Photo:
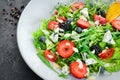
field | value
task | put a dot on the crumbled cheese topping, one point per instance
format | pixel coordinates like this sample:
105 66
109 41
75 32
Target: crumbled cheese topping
75 35
93 51
108 38
50 56
65 70
45 32
54 37
97 23
67 35
83 17
80 63
84 11
68 44
75 49
90 61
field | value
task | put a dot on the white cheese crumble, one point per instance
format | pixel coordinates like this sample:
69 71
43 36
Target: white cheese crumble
54 37
65 70
50 56
75 49
67 35
90 61
97 23
49 43
93 51
80 63
56 30
84 11
108 38
45 32
75 35
85 30
68 44
83 17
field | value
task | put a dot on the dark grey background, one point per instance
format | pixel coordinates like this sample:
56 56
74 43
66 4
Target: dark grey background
12 66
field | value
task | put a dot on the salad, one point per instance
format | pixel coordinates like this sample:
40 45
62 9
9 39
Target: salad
78 39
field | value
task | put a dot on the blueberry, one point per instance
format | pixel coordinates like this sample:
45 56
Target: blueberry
70 19
101 12
97 49
66 25
42 39
78 29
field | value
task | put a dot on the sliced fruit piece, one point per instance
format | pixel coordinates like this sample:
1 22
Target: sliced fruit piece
101 19
53 24
113 11
78 70
77 5
116 24
50 56
106 54
61 19
83 24
65 48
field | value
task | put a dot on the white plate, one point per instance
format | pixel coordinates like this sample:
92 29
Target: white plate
28 23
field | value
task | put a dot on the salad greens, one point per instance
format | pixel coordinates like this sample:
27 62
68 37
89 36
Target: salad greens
87 38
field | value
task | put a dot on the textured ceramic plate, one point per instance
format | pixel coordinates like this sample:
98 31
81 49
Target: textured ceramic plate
28 23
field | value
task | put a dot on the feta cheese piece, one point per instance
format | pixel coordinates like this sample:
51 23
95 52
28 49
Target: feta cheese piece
56 30
83 17
65 70
75 35
93 51
75 49
49 44
68 44
80 63
90 61
85 30
67 35
54 37
61 30
45 32
97 23
84 11
50 56
108 38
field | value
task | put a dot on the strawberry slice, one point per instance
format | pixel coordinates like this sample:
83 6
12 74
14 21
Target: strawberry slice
53 24
101 19
65 48
83 24
116 24
77 5
78 70
50 56
61 19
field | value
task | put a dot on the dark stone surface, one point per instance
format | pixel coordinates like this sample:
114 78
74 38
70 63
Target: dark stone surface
12 66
